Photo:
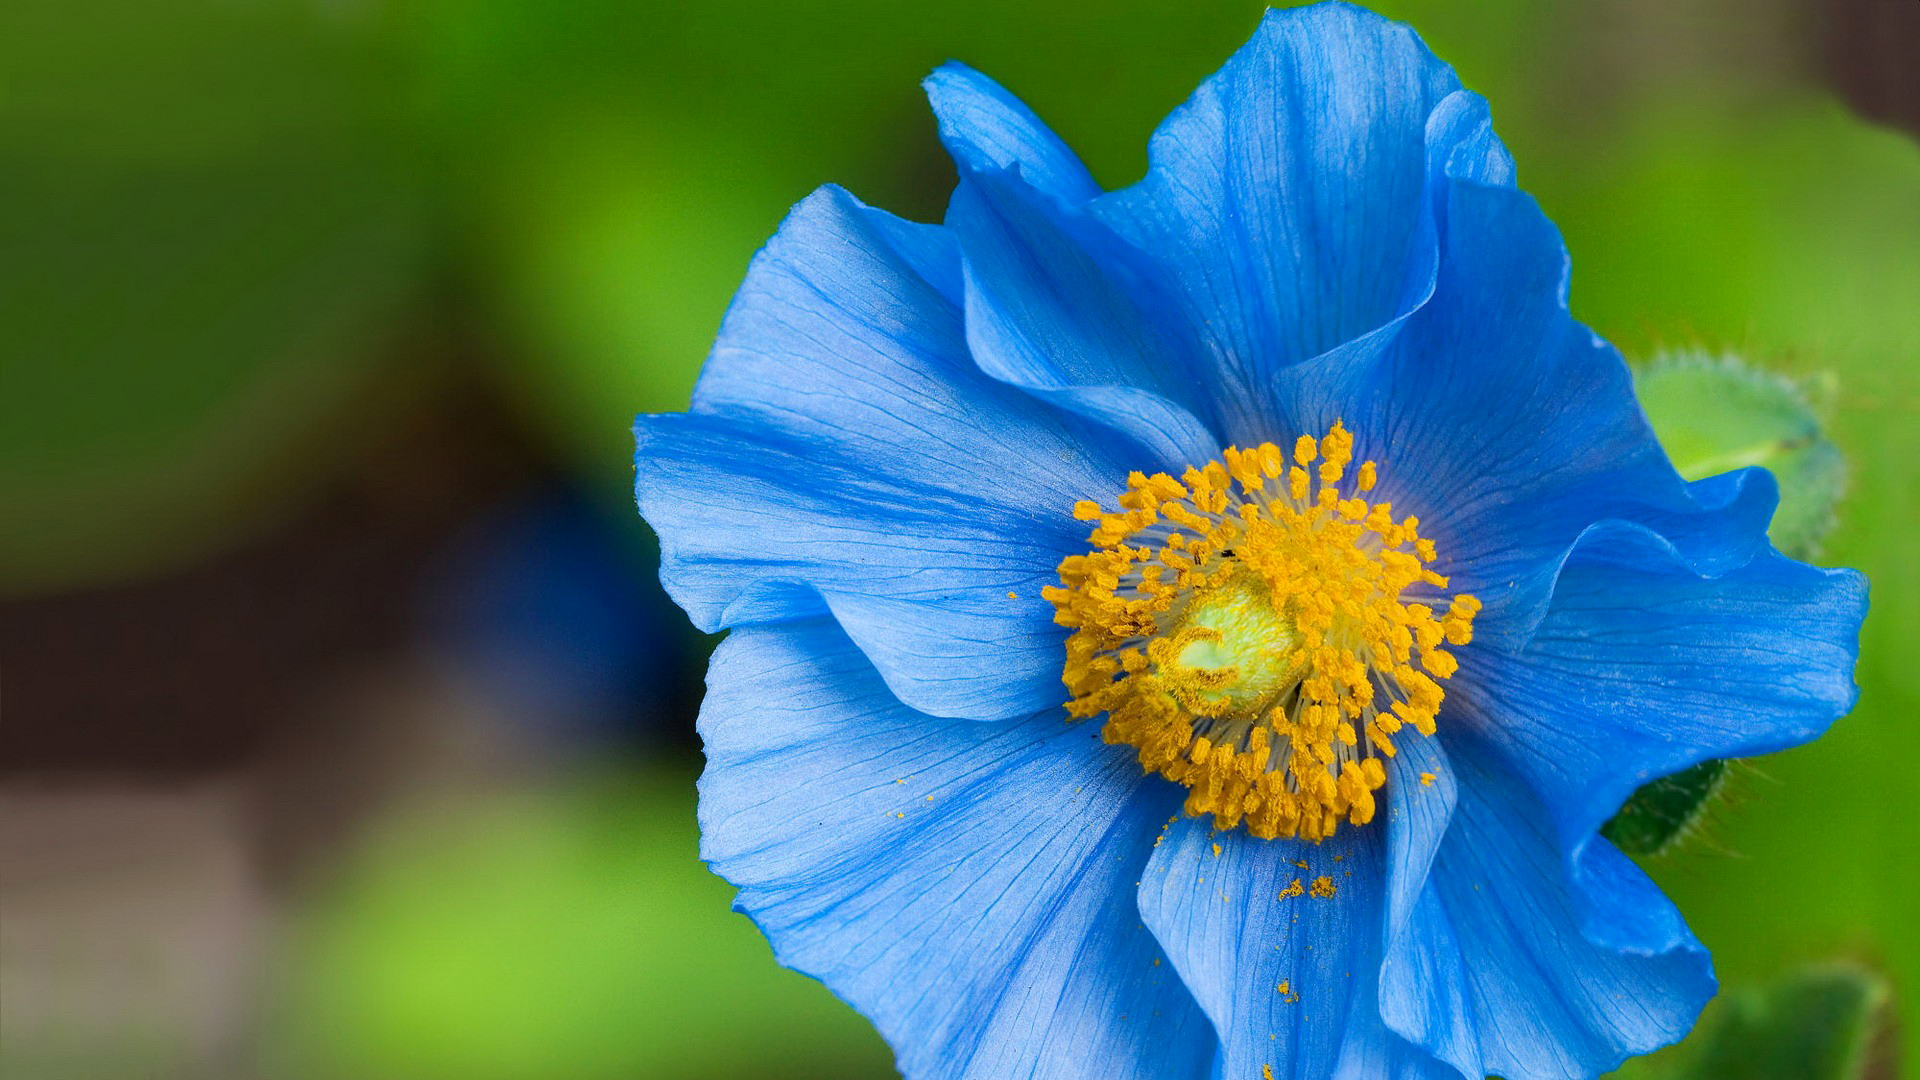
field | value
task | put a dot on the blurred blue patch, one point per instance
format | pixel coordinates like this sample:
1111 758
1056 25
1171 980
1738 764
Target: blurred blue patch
548 611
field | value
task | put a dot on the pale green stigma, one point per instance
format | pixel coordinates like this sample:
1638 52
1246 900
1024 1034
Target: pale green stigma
1243 649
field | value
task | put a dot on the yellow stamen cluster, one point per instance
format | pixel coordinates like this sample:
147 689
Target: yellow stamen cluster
1244 628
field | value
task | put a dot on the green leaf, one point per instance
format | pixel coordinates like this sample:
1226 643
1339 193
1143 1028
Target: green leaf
1716 414
1822 1023
1665 811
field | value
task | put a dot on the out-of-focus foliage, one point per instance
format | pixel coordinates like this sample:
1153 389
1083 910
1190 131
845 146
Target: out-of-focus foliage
568 933
1821 1024
211 222
1829 1022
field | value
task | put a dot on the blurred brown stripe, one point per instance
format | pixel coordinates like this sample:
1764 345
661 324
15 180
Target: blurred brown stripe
1871 53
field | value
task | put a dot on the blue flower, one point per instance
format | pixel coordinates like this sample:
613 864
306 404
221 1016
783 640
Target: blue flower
1370 590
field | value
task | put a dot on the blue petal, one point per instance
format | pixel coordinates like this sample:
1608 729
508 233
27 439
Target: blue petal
1288 201
842 439
1420 796
1461 145
1237 942
943 589
1531 991
1412 998
981 122
1422 997
969 887
1057 305
1508 428
1236 938
1374 1051
1646 663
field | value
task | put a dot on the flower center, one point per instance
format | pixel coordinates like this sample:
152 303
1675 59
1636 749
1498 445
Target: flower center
1244 628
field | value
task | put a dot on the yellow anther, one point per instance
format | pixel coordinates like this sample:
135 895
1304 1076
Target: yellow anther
1246 634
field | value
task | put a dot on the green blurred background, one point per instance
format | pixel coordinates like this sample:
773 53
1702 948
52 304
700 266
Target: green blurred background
346 732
